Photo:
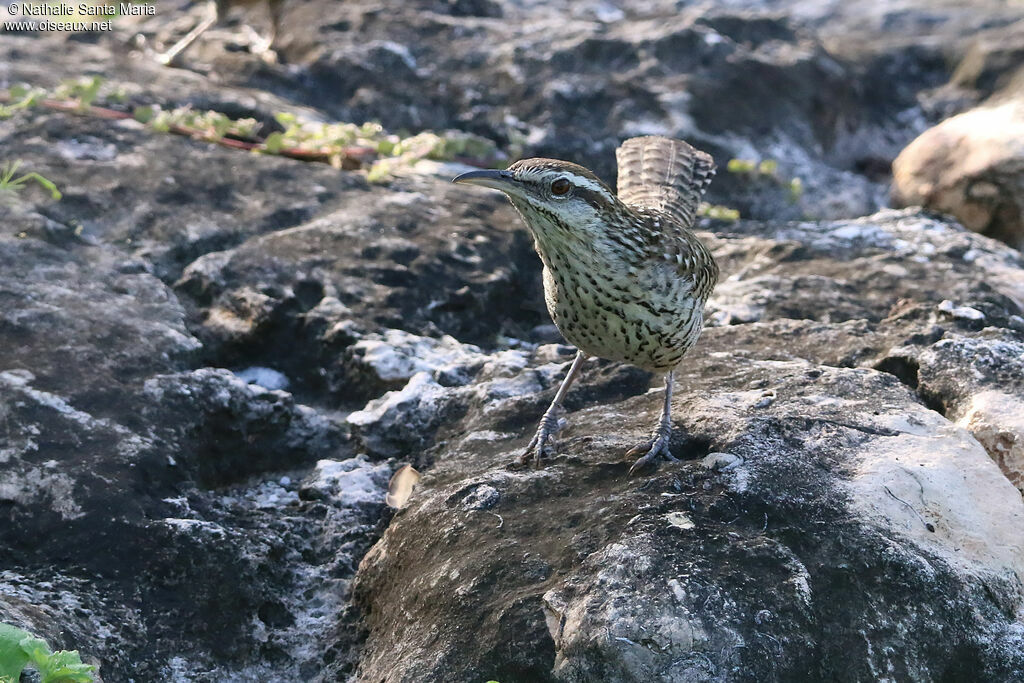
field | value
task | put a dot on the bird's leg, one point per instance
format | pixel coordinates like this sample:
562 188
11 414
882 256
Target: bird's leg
548 427
657 446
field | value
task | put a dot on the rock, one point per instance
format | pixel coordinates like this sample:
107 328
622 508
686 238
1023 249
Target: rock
830 93
117 322
994 418
994 58
392 359
355 480
401 422
970 166
174 500
159 483
418 261
211 362
586 574
828 479
241 429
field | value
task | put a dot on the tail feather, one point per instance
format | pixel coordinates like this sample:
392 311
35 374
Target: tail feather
665 175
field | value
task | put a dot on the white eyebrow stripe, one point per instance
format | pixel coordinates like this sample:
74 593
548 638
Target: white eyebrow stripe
582 182
589 185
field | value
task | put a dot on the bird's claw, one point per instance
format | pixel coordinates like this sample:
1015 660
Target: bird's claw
542 444
654 448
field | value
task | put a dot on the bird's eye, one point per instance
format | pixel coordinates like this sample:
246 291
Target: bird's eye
561 187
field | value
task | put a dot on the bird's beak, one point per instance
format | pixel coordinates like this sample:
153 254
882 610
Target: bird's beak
498 180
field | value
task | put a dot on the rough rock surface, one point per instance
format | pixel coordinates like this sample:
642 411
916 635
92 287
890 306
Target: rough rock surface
821 462
830 92
210 362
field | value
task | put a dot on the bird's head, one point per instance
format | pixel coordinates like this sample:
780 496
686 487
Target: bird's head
558 200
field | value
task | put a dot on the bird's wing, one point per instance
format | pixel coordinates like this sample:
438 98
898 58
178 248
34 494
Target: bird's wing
664 175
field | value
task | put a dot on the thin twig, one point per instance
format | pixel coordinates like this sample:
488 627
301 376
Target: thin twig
927 525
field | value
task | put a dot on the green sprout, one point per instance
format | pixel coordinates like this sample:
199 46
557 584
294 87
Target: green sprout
350 146
740 166
338 142
768 169
718 212
204 124
20 649
21 97
10 184
85 91
796 189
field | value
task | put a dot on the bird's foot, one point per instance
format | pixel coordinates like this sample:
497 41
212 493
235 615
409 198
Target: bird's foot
542 445
652 449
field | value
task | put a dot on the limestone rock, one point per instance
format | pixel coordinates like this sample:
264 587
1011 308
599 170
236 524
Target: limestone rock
211 362
776 567
832 459
970 166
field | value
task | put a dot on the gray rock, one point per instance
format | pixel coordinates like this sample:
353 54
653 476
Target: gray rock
832 93
411 257
804 488
849 425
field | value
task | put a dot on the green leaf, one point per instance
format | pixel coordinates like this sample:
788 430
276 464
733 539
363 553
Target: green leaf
740 166
19 91
12 657
721 213
18 648
796 189
378 172
221 125
45 182
285 119
90 91
274 143
161 122
144 114
65 666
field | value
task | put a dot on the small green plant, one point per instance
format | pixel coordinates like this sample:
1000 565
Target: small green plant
740 166
768 169
10 184
204 124
84 91
20 97
345 142
20 649
718 212
344 145
796 189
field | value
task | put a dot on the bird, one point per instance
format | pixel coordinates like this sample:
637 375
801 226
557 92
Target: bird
625 277
218 13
